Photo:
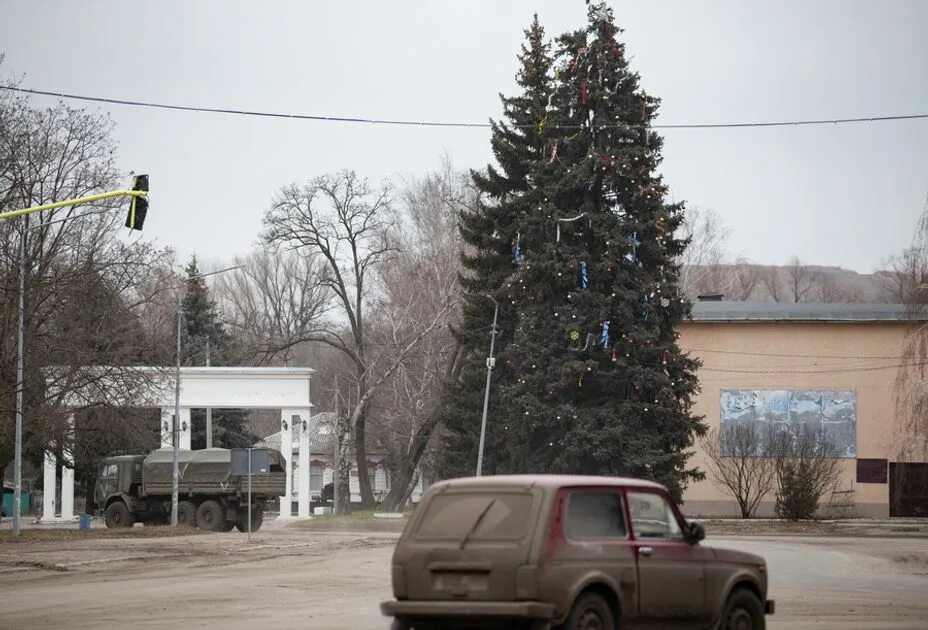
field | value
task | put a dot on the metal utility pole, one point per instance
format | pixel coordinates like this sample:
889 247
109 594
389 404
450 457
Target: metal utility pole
175 472
209 410
175 434
18 449
491 362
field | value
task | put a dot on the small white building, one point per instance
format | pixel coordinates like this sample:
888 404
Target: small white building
321 463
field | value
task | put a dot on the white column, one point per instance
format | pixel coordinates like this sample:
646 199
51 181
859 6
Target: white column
184 429
167 417
67 476
48 486
303 459
286 449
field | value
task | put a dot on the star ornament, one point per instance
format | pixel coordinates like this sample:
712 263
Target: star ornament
601 12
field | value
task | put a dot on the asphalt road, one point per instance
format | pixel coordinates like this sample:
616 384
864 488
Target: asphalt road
292 578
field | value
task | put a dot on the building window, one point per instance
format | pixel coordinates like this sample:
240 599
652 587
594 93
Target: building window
315 478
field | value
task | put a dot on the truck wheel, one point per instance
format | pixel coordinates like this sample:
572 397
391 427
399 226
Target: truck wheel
211 515
257 517
118 515
743 611
590 612
186 514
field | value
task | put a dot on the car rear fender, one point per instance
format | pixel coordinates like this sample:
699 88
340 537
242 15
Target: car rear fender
594 580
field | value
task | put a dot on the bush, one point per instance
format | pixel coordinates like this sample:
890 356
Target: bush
806 467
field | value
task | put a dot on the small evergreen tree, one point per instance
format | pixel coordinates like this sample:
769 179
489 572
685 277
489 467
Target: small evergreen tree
489 233
203 330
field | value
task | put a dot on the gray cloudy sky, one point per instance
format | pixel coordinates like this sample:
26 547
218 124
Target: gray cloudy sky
844 195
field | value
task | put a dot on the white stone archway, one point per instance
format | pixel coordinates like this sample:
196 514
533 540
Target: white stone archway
286 389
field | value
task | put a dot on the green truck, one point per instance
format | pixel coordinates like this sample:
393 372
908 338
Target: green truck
137 489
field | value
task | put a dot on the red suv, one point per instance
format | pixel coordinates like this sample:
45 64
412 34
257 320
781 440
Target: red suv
541 551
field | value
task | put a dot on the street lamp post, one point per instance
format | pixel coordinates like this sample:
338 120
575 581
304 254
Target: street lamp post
175 433
491 362
18 449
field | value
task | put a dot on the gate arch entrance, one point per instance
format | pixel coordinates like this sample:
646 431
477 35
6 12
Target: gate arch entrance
286 389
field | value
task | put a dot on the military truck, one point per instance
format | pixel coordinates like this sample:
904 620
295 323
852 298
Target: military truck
137 488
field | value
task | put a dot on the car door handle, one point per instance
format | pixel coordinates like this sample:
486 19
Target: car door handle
645 551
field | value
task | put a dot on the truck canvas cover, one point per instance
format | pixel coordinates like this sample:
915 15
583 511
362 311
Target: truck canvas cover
206 469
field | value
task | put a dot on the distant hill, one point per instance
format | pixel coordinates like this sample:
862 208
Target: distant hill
786 283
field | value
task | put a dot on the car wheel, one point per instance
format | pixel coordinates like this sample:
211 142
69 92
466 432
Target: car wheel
591 612
743 611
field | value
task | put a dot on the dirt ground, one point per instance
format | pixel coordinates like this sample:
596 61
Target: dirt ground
306 577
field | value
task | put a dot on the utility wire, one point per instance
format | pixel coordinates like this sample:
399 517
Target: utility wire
824 370
433 123
792 356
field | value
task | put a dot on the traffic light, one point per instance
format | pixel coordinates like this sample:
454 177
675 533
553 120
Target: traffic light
138 206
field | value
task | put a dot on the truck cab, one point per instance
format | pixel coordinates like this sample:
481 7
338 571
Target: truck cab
118 476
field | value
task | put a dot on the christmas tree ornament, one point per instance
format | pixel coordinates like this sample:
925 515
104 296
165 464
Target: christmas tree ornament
518 252
583 275
665 302
632 256
604 336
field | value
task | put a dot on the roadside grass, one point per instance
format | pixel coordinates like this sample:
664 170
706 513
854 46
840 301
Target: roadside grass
58 535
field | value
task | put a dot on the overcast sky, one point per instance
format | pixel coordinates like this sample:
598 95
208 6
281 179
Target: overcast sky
845 195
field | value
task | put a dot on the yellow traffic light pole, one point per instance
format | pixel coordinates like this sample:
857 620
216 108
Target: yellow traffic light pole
74 202
141 182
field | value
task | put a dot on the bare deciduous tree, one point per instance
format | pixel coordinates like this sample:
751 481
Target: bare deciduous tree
770 278
83 288
703 260
908 284
348 225
799 278
276 301
416 283
738 464
745 277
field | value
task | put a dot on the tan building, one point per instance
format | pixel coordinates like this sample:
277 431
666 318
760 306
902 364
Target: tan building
828 365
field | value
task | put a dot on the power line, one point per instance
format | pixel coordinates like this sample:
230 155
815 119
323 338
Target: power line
791 356
434 123
825 370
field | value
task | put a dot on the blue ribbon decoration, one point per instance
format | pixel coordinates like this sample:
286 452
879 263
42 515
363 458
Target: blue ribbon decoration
633 255
604 337
583 275
518 252
647 308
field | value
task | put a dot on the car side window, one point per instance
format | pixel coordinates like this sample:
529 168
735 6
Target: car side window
653 517
595 515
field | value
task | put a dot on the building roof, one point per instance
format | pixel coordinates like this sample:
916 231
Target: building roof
719 311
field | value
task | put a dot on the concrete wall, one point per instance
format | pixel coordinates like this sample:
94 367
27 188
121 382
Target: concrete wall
787 355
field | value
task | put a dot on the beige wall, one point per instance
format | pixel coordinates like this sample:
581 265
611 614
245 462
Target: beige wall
747 355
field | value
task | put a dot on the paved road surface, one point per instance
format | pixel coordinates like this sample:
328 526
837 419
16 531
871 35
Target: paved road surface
291 578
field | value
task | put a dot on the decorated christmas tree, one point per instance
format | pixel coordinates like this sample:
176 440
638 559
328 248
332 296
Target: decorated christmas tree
596 383
489 231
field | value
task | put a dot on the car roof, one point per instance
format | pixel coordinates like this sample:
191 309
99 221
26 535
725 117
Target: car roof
546 481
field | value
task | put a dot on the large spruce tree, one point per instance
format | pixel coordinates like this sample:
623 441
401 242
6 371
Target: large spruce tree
597 383
203 330
490 231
